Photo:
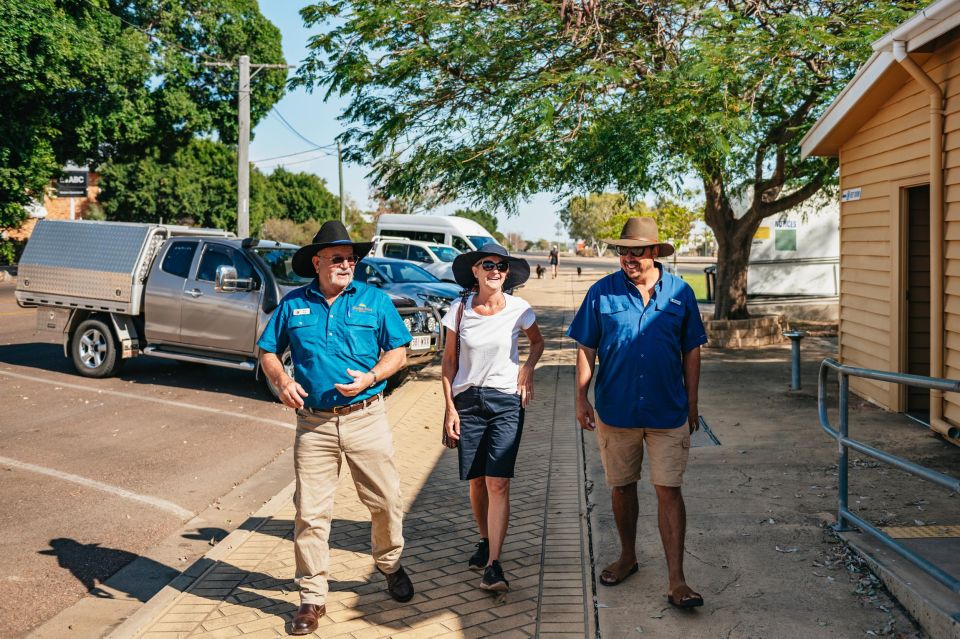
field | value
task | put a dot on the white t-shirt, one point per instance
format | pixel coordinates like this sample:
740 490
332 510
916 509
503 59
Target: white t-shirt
488 344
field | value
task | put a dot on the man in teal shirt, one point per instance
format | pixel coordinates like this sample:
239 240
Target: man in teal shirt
345 339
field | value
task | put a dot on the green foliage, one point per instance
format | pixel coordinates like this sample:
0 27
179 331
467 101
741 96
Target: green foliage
598 216
484 219
302 196
494 102
198 186
78 84
675 222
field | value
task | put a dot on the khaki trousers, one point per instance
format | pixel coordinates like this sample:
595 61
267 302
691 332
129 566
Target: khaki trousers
323 441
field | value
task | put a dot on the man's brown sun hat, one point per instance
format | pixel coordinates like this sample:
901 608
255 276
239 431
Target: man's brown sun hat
641 231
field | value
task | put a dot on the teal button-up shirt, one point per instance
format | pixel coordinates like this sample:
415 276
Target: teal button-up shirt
325 340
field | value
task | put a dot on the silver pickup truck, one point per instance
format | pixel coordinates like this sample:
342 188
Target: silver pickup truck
116 290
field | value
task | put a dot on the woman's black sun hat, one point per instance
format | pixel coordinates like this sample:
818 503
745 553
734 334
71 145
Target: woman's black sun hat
463 267
332 233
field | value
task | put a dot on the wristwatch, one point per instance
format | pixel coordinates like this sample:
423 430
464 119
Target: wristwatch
374 375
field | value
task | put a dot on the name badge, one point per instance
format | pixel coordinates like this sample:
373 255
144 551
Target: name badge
301 311
675 301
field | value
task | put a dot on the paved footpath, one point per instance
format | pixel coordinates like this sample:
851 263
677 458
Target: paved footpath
246 587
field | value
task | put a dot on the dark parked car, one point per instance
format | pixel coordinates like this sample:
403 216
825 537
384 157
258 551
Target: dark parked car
409 280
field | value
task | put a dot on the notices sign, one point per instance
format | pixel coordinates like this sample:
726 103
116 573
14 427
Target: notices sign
72 184
850 195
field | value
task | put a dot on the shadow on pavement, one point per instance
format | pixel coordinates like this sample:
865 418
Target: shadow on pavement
150 371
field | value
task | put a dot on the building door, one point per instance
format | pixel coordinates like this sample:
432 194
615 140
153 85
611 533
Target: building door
917 281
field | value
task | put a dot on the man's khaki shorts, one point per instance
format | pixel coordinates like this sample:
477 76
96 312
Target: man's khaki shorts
621 452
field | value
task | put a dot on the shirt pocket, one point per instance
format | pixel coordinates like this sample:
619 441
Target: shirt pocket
671 315
361 337
615 320
303 333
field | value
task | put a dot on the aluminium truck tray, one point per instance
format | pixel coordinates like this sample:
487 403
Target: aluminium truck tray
88 265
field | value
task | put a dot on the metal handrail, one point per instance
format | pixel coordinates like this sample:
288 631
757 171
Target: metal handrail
844 515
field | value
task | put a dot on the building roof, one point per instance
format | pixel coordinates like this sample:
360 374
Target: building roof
878 79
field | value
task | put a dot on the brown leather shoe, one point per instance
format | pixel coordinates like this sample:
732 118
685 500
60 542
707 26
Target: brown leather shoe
399 585
306 619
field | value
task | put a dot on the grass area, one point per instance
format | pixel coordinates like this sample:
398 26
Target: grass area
697 281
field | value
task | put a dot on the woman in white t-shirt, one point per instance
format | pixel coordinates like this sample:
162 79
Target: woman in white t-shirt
486 390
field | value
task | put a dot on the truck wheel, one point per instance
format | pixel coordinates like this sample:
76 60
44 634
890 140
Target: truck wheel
287 360
93 349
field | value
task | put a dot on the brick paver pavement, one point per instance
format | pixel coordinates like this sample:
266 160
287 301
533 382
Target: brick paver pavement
248 591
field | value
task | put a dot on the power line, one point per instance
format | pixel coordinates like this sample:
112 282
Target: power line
290 155
300 135
278 164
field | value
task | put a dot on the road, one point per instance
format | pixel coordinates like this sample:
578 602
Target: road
146 467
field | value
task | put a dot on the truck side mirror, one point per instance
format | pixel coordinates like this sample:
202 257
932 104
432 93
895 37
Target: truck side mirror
228 282
375 280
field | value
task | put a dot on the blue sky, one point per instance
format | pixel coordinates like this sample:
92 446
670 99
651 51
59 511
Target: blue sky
316 121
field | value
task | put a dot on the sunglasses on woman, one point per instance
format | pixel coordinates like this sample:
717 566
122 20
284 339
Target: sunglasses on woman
635 252
489 265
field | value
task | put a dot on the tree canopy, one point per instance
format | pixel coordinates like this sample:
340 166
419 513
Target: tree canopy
494 102
91 80
198 186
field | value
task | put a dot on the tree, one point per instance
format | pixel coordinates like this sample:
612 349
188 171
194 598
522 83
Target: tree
79 83
494 102
598 216
484 219
675 221
302 196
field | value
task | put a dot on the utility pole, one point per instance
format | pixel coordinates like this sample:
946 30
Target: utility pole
243 148
343 218
243 139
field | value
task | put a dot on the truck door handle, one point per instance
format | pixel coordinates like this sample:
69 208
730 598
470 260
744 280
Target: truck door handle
195 293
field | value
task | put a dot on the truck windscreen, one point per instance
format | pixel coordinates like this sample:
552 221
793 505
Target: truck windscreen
279 260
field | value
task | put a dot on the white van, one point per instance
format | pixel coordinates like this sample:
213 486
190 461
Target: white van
459 232
436 259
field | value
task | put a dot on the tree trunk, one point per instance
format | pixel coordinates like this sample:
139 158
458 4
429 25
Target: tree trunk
733 256
734 239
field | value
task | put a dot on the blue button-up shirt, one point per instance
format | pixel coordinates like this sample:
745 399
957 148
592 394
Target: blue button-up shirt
640 348
326 340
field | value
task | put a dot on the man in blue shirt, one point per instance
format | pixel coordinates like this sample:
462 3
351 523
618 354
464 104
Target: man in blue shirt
336 330
645 326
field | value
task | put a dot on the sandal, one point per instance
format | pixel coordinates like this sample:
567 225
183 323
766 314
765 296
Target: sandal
608 577
686 598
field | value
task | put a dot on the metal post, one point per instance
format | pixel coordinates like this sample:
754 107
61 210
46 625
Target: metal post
243 149
843 454
795 337
343 219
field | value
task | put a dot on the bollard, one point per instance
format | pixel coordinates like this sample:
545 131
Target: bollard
795 337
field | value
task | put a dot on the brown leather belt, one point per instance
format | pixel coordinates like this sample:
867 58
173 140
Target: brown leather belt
347 408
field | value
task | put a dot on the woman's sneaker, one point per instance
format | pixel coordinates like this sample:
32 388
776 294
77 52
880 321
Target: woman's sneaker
480 558
493 578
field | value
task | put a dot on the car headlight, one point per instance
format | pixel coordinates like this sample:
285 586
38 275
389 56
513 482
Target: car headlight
431 324
408 323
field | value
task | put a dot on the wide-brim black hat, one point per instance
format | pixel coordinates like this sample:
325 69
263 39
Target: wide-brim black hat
332 233
518 273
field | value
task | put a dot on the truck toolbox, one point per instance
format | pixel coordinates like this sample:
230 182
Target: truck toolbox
90 265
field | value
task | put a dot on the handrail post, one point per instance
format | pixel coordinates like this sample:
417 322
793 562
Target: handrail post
843 453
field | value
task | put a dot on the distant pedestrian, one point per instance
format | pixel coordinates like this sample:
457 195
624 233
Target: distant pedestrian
644 324
554 260
486 390
336 329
